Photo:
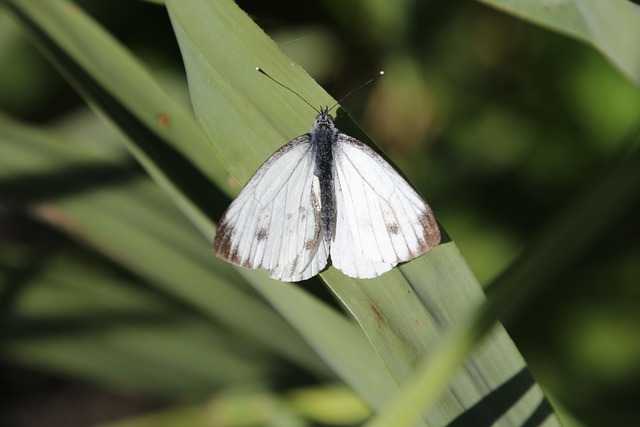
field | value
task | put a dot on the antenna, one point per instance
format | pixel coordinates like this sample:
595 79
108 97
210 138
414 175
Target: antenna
380 74
260 70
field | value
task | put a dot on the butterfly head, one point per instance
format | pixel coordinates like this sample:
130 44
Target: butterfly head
324 119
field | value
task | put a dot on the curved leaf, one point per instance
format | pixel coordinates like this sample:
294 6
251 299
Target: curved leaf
402 312
612 26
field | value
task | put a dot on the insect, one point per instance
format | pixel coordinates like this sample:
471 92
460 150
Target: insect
325 194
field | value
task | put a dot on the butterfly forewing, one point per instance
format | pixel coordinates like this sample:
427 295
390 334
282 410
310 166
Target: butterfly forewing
380 219
274 223
305 263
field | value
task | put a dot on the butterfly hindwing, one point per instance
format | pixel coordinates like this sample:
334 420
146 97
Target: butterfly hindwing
380 219
274 223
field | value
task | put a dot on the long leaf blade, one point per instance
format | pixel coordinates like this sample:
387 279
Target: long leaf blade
612 26
404 311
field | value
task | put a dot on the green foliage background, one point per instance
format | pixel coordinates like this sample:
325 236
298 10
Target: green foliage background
514 133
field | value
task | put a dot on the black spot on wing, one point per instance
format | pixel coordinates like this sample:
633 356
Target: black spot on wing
392 227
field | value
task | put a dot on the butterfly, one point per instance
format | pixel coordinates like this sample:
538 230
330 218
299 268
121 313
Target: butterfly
325 194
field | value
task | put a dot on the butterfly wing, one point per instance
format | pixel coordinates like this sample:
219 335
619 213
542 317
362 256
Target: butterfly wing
274 223
380 219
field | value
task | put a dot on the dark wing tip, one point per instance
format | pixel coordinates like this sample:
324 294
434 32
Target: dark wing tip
431 229
221 246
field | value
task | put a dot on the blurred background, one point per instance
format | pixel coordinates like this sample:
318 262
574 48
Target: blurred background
499 123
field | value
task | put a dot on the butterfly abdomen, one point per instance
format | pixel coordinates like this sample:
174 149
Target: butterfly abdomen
322 140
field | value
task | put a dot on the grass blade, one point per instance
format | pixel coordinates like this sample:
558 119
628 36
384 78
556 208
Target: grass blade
403 312
612 27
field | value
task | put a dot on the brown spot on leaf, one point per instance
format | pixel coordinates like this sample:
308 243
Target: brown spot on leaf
163 119
53 214
377 314
262 234
233 183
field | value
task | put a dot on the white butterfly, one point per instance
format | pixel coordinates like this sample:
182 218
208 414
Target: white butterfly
325 193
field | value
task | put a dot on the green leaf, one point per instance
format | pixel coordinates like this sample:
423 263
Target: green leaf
128 219
128 238
612 26
67 313
135 225
402 312
168 142
246 117
574 232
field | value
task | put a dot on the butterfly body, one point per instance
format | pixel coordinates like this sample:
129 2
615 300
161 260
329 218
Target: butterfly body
325 193
323 138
